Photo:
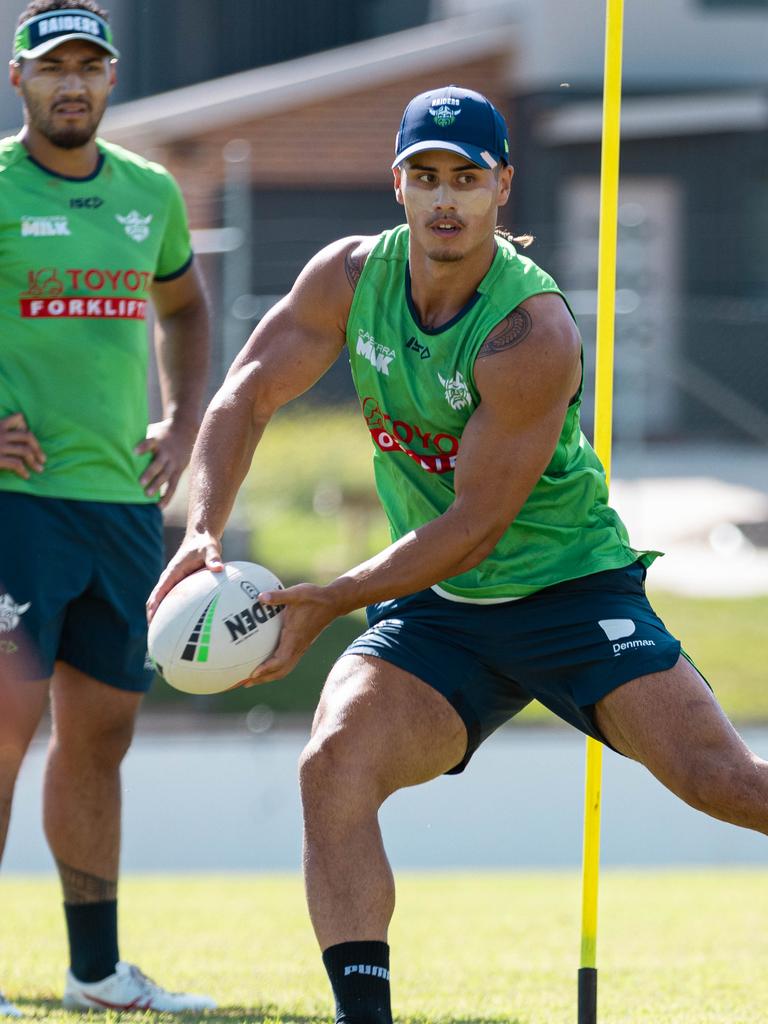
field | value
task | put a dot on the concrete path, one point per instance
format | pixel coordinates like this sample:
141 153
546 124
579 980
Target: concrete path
228 801
691 503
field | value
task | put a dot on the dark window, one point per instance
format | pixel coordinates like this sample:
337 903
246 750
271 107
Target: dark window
167 44
291 225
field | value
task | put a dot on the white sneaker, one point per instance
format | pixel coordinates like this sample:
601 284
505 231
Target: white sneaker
129 989
8 1009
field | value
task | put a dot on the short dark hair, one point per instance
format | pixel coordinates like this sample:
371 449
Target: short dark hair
35 7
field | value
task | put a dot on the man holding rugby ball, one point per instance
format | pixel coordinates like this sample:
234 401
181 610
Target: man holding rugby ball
509 577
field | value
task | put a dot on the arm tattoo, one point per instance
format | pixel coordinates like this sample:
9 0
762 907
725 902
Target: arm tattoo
514 328
353 265
80 887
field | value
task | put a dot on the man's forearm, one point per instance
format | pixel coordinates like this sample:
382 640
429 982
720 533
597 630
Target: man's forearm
220 461
451 544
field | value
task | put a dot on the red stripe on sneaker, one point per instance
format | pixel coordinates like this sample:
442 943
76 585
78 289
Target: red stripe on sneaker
135 1005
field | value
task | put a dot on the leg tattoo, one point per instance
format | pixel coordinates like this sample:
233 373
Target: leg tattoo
80 887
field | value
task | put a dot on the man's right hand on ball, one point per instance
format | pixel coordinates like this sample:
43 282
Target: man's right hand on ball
200 551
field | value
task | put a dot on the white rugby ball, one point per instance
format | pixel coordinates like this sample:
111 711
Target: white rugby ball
210 632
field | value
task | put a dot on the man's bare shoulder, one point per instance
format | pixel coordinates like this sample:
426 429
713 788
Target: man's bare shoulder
357 249
544 314
343 259
325 287
533 354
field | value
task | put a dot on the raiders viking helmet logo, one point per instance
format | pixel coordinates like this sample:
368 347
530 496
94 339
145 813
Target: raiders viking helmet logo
136 226
10 613
456 391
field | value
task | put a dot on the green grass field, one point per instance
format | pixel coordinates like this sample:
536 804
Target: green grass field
726 637
682 947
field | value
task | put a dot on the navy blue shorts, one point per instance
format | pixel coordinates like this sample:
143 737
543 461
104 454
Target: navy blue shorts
566 646
74 578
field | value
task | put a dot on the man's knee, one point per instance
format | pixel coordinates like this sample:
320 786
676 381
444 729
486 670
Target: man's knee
16 734
335 769
11 756
114 740
101 745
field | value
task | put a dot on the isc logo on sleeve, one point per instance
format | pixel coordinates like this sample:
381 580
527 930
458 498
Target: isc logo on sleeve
86 203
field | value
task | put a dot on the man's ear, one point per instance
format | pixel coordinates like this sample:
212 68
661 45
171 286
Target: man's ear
398 176
14 74
506 174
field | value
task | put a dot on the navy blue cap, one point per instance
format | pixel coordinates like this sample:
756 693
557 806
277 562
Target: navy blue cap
456 119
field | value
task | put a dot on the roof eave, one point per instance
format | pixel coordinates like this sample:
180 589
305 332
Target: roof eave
260 92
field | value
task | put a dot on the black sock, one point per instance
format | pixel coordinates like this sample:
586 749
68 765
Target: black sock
359 973
92 930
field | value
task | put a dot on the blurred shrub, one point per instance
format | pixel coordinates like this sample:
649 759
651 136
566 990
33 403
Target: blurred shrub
309 498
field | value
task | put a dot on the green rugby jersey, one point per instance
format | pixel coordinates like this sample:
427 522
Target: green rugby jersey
417 391
77 259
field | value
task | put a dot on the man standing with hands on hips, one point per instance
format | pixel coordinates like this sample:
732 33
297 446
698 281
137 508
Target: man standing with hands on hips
89 235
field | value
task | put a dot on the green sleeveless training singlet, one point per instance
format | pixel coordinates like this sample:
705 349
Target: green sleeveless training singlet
77 261
417 391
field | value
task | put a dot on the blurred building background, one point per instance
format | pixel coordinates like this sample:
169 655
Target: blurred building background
279 122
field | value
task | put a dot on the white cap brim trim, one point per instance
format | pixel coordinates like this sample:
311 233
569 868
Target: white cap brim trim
50 44
481 158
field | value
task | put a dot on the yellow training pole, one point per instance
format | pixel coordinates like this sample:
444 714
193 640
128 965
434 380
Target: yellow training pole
606 302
